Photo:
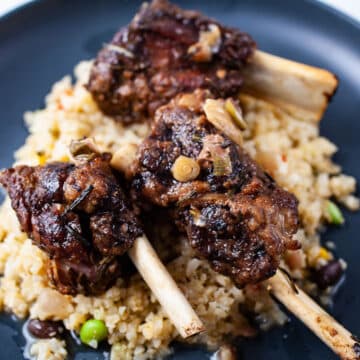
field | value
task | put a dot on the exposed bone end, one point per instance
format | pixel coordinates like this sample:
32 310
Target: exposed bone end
333 334
165 289
299 88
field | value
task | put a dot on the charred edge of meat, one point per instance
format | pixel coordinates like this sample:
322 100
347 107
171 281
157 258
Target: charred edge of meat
238 219
79 216
162 52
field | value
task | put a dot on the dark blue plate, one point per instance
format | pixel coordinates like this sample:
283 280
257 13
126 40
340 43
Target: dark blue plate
41 42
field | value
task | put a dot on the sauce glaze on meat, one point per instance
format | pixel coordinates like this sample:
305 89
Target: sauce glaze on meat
78 215
165 51
241 221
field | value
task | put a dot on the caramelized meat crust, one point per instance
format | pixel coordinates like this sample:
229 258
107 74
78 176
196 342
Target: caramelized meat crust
78 215
162 52
235 216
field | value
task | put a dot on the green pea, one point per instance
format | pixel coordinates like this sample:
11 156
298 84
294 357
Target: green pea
336 217
92 332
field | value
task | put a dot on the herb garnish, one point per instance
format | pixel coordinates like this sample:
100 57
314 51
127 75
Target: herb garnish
79 199
75 233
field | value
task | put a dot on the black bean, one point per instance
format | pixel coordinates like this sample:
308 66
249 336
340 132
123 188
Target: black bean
356 348
329 274
45 329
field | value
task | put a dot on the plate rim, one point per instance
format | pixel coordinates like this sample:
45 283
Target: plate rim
316 3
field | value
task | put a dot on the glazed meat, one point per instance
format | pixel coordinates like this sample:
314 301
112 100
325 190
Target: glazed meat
78 215
165 51
232 211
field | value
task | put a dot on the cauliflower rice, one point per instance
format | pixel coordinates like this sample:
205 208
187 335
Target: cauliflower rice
289 148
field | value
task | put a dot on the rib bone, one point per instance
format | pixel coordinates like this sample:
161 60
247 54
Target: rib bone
299 88
333 334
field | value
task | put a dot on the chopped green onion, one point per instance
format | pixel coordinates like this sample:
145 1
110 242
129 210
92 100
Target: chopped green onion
92 332
194 212
235 113
221 165
335 215
196 138
218 116
83 149
197 218
185 169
